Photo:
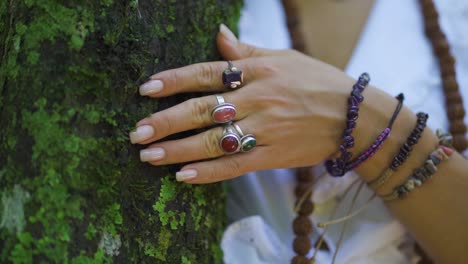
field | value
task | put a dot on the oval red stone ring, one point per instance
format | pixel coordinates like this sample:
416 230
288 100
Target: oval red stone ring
230 142
223 112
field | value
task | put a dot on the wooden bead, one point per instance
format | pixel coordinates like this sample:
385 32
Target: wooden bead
447 70
432 27
453 97
306 207
460 142
434 33
447 59
458 127
301 189
302 245
441 46
431 14
427 5
302 225
450 84
304 175
455 112
300 260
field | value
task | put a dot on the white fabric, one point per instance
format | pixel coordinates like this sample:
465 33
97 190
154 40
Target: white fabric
396 53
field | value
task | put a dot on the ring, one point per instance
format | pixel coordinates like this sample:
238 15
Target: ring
230 142
248 142
232 77
222 112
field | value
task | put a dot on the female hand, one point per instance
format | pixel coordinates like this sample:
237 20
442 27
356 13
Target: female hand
293 104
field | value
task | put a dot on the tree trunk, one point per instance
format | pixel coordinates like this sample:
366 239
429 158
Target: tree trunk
72 187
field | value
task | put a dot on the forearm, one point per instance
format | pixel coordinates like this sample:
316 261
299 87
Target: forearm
435 213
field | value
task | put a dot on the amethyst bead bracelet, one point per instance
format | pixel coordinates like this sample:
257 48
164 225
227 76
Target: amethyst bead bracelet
336 167
404 152
380 139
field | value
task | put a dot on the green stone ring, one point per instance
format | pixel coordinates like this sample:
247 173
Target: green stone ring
248 142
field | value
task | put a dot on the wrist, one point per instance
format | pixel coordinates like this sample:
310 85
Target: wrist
375 114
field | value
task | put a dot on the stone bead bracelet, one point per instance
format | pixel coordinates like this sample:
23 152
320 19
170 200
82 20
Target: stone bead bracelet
404 152
336 167
422 174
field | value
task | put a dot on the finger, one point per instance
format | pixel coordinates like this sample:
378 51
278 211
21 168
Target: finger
191 114
200 77
224 168
232 49
205 145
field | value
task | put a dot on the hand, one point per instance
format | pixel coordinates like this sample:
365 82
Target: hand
293 104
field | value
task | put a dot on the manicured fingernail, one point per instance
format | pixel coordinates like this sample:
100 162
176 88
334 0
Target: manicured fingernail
227 33
142 133
186 175
152 154
151 87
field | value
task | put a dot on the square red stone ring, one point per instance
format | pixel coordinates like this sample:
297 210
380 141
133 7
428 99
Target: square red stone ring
223 112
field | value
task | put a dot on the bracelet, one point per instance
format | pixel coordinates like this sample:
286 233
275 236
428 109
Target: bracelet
336 167
379 141
404 152
422 174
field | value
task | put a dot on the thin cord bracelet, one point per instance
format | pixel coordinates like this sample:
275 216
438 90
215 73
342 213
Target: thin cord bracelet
336 167
379 141
425 172
404 152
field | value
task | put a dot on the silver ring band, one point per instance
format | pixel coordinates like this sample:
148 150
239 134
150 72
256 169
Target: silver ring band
247 142
223 112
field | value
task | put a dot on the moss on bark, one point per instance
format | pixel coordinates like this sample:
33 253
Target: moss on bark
72 187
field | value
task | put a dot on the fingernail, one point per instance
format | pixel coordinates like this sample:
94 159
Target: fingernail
151 87
142 133
186 175
152 154
227 33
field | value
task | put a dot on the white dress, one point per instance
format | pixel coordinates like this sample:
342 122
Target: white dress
396 53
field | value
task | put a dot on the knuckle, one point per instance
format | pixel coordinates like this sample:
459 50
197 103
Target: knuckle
250 51
213 174
172 78
265 68
163 123
206 74
200 111
211 144
233 166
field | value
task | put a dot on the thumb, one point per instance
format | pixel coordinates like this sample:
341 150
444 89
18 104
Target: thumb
232 49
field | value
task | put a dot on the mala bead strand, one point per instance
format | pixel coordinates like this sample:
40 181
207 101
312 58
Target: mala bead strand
292 20
302 225
441 48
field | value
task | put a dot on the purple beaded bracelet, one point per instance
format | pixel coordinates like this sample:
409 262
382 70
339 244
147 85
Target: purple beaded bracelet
336 167
379 141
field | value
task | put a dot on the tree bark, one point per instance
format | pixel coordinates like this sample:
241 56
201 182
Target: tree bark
72 187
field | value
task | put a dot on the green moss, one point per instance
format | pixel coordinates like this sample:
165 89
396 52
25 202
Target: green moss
12 217
69 80
159 250
185 260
